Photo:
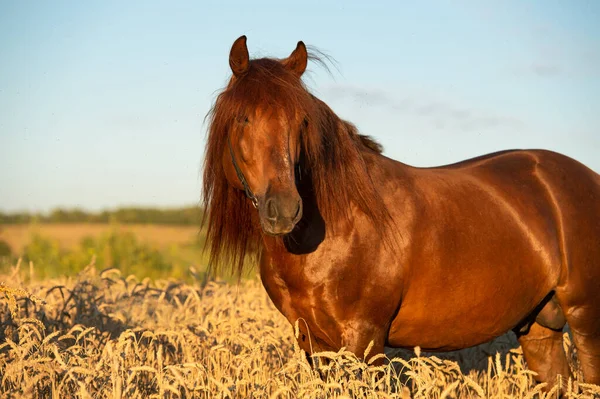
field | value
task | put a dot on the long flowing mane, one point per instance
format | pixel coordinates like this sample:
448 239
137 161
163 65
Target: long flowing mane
332 148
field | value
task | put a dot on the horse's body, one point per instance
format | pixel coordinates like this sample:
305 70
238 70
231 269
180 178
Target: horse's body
442 258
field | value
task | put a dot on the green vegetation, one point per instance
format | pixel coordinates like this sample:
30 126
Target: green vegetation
175 216
114 248
4 249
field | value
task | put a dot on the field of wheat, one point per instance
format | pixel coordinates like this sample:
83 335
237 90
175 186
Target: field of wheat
104 335
69 235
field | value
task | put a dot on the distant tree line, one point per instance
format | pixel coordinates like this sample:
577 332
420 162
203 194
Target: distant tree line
132 215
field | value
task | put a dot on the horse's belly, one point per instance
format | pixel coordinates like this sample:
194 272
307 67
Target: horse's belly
440 335
451 316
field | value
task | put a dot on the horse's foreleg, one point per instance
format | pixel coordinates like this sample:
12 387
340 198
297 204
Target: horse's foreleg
365 343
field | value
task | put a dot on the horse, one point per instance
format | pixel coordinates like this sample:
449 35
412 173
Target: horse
364 250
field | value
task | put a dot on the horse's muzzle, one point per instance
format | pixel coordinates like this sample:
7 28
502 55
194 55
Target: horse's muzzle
279 215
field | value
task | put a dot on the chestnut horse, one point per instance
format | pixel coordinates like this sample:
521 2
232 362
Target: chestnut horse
360 247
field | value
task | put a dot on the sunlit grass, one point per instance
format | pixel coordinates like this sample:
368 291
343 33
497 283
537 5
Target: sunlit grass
109 335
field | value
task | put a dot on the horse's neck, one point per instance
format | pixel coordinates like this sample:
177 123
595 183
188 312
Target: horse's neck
310 230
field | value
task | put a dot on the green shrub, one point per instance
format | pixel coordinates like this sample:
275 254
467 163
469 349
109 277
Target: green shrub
190 216
113 249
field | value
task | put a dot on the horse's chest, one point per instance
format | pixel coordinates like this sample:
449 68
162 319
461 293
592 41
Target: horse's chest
307 308
293 299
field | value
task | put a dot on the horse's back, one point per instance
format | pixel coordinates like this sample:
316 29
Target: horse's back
570 189
575 192
571 186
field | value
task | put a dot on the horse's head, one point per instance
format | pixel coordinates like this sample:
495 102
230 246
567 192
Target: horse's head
267 113
294 158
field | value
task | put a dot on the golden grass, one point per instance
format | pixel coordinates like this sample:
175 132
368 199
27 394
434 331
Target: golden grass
103 335
70 235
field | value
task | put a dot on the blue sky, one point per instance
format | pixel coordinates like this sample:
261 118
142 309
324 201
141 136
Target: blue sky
102 102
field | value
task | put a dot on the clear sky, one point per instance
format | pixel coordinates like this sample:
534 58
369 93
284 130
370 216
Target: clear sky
102 102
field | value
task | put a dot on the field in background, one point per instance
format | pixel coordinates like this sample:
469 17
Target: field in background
101 335
146 250
70 235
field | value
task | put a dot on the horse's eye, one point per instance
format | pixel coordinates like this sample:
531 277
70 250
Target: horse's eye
305 123
243 120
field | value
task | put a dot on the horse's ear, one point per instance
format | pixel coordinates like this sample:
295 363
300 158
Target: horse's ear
239 59
298 60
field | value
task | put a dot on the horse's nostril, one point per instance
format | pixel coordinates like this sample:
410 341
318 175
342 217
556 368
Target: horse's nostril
298 209
271 209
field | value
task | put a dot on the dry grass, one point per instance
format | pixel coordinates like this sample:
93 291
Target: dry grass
69 235
103 335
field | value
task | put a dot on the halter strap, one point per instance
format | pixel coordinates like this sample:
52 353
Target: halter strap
240 176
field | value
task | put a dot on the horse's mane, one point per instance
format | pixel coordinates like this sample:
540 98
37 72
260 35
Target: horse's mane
332 148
